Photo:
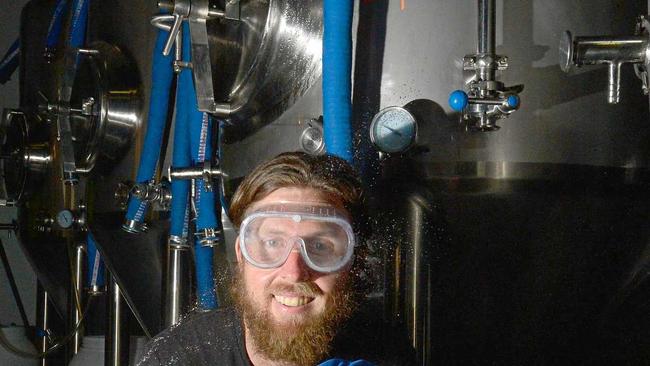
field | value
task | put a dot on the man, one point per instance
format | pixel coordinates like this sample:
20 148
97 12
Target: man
299 275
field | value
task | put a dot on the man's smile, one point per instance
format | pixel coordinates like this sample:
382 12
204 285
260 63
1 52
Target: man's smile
293 301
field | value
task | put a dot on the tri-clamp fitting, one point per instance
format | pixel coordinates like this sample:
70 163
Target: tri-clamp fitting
159 194
487 99
613 51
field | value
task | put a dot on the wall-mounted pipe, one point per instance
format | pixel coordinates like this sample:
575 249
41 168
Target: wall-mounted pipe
162 76
337 82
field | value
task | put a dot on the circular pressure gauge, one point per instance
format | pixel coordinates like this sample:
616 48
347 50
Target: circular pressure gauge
65 219
393 130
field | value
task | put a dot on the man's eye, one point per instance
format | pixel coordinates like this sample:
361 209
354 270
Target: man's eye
271 243
320 246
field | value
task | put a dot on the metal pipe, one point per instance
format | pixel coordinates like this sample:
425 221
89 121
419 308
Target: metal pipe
117 336
43 322
176 285
76 297
194 173
607 49
486 27
614 83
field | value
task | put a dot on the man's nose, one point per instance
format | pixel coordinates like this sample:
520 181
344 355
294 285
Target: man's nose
295 269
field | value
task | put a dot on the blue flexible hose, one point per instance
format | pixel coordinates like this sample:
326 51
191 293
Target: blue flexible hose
201 151
200 126
95 274
161 79
181 156
77 35
337 82
56 25
10 62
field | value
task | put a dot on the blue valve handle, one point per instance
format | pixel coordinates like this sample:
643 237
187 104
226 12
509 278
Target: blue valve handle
513 101
458 100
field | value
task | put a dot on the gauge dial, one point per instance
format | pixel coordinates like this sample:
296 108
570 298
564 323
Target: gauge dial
65 219
393 130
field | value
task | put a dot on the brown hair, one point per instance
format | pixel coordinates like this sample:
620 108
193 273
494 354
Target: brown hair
327 173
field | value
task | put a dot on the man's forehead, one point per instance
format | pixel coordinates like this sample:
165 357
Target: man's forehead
299 195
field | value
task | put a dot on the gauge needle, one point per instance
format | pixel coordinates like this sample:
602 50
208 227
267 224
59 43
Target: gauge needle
393 130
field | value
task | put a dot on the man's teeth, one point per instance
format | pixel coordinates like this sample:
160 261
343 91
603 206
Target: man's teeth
293 301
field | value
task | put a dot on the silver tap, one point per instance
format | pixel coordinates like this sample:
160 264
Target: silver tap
613 51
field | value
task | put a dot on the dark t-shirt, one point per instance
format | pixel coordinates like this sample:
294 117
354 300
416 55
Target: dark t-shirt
216 338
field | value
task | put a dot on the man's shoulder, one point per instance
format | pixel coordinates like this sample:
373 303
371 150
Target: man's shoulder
197 339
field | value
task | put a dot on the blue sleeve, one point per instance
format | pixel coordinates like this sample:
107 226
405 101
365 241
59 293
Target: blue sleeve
340 362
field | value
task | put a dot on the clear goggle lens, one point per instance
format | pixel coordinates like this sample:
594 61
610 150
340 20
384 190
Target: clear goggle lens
325 242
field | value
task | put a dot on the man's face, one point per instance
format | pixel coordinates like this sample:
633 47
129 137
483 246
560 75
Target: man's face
292 298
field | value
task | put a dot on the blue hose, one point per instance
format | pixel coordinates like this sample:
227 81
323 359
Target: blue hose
56 25
199 131
337 84
10 62
77 35
201 151
95 274
181 156
161 75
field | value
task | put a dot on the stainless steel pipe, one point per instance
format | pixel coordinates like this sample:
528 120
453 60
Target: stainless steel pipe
613 51
117 335
486 27
176 284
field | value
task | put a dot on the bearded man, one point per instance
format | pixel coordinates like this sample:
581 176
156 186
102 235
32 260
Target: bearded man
299 277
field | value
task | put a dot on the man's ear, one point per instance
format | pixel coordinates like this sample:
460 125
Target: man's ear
238 251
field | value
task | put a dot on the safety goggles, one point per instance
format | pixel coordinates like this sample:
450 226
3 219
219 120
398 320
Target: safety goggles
322 234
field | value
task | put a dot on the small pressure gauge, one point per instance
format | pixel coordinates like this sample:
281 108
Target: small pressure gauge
311 140
393 130
65 219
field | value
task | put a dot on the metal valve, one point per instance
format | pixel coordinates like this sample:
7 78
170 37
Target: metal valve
158 194
487 99
613 51
487 109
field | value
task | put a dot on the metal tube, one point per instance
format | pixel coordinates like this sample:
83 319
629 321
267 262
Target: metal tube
486 26
43 323
76 296
606 49
117 336
193 173
176 285
614 83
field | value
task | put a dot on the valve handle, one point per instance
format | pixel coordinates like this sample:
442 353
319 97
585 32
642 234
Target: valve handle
513 101
458 100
